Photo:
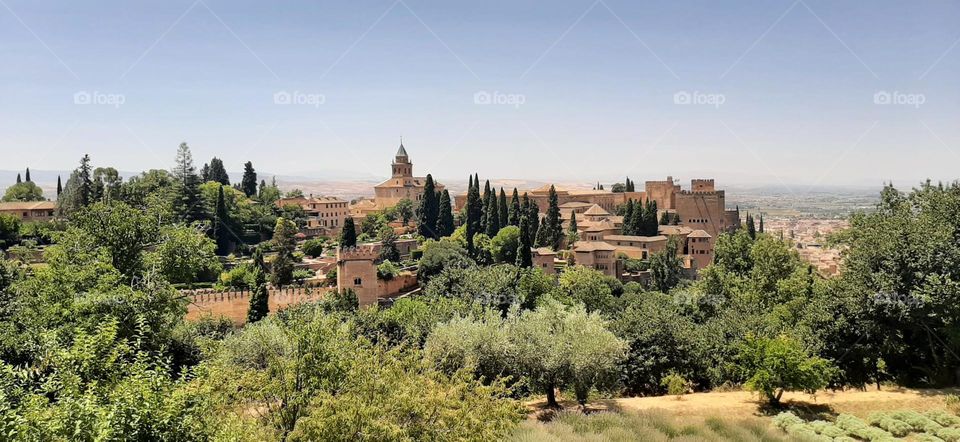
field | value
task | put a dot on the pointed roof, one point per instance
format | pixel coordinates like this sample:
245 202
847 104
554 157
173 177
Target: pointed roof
596 210
401 152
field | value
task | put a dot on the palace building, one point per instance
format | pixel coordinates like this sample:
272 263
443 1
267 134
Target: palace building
401 185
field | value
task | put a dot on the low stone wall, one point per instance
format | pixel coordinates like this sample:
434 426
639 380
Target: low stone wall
234 304
399 284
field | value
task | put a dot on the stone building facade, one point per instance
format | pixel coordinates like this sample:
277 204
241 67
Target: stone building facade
401 185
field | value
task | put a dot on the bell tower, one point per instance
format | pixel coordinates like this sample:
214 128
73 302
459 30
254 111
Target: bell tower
402 167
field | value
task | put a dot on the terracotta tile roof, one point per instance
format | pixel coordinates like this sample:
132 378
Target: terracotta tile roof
699 234
635 238
589 246
28 205
596 210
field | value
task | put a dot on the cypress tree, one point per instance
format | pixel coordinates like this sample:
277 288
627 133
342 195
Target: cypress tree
542 236
205 173
504 217
627 225
348 233
636 219
533 211
445 215
554 230
514 217
761 223
19 180
524 258
492 215
220 221
259 262
572 228
263 185
259 299
27 177
59 187
428 210
474 212
751 227
665 218
650 218
486 206
248 184
217 172
285 244
676 219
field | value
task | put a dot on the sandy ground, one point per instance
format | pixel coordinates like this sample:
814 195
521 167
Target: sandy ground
745 405
741 404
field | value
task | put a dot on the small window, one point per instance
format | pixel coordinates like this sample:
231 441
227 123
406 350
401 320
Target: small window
357 281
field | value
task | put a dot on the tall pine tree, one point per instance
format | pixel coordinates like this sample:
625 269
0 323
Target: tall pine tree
59 187
27 177
445 215
187 205
248 184
428 210
761 223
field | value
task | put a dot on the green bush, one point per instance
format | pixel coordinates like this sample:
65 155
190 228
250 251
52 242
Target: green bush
943 418
919 422
949 434
675 384
786 419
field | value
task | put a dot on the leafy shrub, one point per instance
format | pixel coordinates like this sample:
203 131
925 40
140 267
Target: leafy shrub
949 434
924 437
675 384
828 429
917 421
943 418
858 428
786 419
313 247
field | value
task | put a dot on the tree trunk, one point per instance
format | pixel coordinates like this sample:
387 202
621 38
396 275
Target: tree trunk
552 397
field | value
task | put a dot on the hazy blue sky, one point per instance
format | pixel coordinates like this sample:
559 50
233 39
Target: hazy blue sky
781 90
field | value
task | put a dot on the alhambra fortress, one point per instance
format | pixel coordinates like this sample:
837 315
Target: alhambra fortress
699 215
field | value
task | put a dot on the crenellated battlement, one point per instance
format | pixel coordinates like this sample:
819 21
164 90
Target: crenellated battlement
719 193
365 252
702 185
